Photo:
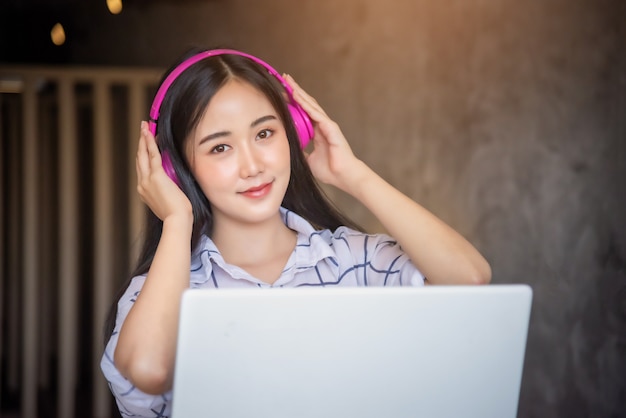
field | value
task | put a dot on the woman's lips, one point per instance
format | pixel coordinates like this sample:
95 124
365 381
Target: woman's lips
259 191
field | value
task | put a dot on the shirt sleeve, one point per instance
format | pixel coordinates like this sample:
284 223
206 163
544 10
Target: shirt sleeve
131 401
378 259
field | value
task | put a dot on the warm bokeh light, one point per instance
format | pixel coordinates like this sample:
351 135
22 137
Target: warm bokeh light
115 6
57 34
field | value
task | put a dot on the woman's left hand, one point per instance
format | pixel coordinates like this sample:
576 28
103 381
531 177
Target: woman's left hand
437 250
332 160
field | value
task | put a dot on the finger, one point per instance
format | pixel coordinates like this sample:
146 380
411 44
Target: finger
324 125
138 172
313 109
142 161
296 87
154 154
303 98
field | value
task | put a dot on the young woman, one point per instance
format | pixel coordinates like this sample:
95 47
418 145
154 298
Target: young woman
234 203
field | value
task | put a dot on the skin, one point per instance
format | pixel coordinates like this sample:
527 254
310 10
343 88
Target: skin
239 155
240 158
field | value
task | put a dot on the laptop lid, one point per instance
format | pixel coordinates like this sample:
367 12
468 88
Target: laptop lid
436 351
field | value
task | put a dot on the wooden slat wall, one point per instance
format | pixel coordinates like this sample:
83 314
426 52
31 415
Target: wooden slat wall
44 229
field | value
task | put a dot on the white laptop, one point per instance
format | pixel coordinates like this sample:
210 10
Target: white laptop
370 352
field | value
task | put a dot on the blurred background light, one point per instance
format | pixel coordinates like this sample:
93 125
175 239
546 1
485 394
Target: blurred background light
57 34
114 6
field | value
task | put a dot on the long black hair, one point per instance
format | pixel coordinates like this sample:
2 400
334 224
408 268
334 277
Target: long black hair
180 113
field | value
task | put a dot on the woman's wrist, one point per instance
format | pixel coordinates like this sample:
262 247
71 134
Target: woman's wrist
356 179
179 222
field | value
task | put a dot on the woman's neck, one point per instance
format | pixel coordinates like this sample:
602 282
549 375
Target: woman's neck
262 249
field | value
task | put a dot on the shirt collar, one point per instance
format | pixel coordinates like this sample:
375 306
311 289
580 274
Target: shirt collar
312 246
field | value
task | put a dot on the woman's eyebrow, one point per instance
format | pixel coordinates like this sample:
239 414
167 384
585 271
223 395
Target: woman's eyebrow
213 136
262 119
221 134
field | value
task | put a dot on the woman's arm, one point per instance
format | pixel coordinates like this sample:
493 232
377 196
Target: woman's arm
146 348
437 250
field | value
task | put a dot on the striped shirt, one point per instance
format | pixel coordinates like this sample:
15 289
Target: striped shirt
321 258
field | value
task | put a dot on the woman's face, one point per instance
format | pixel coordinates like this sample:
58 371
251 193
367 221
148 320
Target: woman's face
239 155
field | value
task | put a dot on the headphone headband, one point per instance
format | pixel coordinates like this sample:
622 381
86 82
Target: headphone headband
172 76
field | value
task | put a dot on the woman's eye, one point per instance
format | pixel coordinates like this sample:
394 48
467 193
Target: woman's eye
265 133
219 148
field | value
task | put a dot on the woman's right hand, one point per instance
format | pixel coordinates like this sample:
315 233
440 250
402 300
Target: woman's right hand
155 188
154 313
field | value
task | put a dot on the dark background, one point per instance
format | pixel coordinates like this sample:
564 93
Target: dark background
505 118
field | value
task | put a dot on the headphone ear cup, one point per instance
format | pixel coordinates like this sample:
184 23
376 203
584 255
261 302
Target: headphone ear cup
303 124
168 167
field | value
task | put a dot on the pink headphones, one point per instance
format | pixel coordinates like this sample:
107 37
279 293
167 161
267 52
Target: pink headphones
301 120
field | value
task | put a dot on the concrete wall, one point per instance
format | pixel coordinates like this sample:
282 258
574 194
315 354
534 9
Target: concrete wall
506 118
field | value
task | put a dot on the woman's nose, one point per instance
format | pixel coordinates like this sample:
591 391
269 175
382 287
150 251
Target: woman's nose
250 161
